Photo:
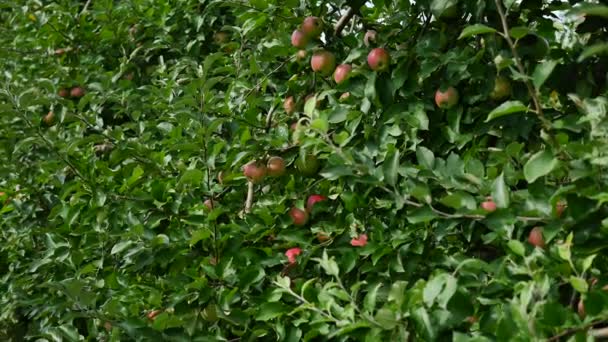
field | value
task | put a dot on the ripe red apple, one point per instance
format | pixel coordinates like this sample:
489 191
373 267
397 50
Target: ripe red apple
359 241
488 205
289 105
312 199
308 166
254 172
370 37
298 216
209 203
63 92
536 237
323 62
300 55
275 166
446 99
502 88
49 118
292 253
299 39
77 92
312 27
342 72
378 59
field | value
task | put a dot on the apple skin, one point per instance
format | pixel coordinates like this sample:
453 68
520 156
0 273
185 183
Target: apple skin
322 237
342 72
502 89
289 105
254 172
312 27
536 237
344 96
323 62
209 203
292 253
308 166
359 241
370 37
446 99
299 39
312 199
378 59
298 216
488 205
301 55
63 92
77 92
49 119
152 314
275 166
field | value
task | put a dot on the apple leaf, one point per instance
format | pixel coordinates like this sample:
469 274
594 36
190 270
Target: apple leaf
542 72
500 192
474 30
506 108
391 166
519 32
596 49
539 165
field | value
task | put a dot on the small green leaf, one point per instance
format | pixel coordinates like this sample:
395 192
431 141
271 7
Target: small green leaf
474 30
425 157
542 72
579 284
519 32
270 310
595 49
517 247
391 167
506 108
540 164
588 262
500 191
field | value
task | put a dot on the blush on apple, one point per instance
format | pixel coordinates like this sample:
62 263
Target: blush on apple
254 172
323 62
488 205
298 216
77 92
312 199
536 237
342 72
312 27
446 99
292 254
378 59
275 166
299 39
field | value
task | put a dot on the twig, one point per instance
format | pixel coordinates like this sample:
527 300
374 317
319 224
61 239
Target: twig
84 9
577 329
249 201
344 20
520 66
269 119
268 75
603 332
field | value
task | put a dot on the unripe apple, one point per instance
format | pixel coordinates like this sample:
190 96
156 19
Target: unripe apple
342 72
77 92
63 92
209 203
323 62
488 205
210 313
275 166
312 199
536 237
312 27
299 39
301 55
49 118
298 216
308 166
370 37
289 105
446 99
378 59
254 172
502 88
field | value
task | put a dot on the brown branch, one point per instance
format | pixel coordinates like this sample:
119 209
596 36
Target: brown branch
571 331
249 200
520 66
269 119
350 13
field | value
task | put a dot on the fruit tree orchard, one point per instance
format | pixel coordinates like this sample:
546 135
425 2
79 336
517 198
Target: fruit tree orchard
207 170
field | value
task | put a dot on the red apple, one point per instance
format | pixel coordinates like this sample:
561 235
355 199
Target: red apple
323 62
312 27
359 241
254 172
63 92
77 92
292 253
289 105
488 205
209 204
299 39
275 166
502 88
49 118
298 216
342 72
378 59
446 99
370 37
312 199
536 237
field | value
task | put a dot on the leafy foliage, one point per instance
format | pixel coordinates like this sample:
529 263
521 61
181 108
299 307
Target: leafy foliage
106 234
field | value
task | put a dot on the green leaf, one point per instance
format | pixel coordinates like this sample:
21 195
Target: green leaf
386 318
593 50
500 192
329 265
517 247
506 108
588 261
592 9
191 177
579 284
519 32
425 157
474 30
391 166
539 165
270 311
542 72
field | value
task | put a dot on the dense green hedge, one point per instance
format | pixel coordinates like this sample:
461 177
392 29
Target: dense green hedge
125 215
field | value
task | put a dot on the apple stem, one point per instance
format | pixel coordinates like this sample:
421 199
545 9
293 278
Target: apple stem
249 201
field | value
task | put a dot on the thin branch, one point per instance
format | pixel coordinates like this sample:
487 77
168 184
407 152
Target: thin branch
269 119
571 331
350 13
249 200
520 66
84 9
268 75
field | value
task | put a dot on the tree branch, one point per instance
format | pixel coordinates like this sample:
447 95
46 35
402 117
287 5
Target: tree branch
249 200
344 20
